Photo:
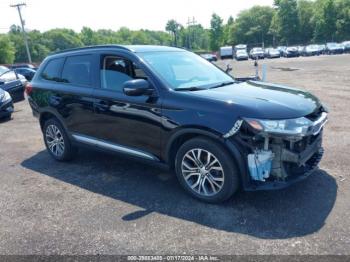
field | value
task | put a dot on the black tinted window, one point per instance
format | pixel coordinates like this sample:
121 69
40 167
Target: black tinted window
77 70
52 70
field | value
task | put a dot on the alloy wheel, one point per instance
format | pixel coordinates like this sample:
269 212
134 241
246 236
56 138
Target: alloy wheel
202 172
54 140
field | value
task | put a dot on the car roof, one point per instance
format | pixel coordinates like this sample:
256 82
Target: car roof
130 48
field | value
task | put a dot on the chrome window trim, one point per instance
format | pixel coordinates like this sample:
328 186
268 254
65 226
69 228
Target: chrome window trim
112 146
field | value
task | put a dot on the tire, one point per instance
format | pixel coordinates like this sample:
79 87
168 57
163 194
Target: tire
218 186
60 149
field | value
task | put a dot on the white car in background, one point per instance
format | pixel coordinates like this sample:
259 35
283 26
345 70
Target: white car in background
241 55
346 45
226 52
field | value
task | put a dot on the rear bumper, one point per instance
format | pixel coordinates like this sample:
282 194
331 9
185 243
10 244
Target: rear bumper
6 109
292 54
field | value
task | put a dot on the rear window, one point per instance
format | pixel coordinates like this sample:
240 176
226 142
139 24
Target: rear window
52 71
77 70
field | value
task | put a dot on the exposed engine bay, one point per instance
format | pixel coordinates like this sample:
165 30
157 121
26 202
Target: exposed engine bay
277 157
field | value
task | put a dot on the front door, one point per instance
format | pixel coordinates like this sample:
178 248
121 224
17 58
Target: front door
130 123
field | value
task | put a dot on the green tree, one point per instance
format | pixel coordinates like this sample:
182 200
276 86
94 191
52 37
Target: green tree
253 25
286 22
60 39
306 26
216 32
325 20
173 27
228 38
89 37
7 50
343 20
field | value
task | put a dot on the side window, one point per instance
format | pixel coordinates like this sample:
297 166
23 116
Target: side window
115 71
52 70
77 70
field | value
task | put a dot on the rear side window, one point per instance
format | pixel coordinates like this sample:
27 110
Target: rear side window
77 70
52 70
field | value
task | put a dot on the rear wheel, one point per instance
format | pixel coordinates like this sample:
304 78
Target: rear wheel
206 170
56 141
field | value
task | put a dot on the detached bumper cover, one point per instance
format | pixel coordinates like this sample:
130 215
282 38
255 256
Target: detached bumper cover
271 185
298 163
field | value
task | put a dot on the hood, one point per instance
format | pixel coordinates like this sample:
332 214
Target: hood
263 100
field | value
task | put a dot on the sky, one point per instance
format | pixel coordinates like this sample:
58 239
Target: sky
107 14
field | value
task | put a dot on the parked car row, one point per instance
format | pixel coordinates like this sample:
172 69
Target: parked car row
13 80
239 52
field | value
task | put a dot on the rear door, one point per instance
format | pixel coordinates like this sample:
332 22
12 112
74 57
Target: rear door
67 88
132 122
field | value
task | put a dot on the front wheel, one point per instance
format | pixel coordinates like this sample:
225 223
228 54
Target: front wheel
206 170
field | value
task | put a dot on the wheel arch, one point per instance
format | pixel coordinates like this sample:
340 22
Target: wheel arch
183 135
47 114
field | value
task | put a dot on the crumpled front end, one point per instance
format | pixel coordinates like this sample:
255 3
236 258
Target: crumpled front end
275 160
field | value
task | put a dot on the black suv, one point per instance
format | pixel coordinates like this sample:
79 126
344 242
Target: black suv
171 106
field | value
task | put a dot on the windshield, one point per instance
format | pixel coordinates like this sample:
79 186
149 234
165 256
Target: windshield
3 69
184 69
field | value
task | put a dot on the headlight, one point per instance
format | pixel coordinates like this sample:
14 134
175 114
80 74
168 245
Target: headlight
5 96
298 126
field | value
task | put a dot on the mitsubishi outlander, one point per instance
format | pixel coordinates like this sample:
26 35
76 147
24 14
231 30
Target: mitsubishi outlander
171 106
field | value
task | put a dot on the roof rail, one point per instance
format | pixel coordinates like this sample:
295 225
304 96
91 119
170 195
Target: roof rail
89 47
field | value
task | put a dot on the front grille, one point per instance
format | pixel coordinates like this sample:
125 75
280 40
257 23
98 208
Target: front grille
304 143
293 170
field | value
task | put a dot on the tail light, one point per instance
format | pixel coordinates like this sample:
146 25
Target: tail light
28 89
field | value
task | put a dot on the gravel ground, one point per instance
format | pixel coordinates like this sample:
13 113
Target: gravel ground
104 204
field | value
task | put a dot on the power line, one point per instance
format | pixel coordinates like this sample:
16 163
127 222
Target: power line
190 23
18 6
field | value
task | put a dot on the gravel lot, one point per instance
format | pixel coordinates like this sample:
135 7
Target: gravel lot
104 204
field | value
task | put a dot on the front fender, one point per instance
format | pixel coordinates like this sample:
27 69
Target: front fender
232 147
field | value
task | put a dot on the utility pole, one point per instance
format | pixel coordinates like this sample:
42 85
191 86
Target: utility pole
18 6
190 23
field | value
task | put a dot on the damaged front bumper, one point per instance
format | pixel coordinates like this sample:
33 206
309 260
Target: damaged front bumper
276 161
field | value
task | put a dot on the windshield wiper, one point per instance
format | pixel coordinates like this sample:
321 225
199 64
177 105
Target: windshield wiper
222 84
191 88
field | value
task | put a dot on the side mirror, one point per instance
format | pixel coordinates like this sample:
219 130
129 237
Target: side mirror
228 69
137 87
